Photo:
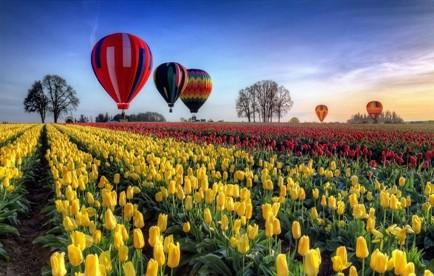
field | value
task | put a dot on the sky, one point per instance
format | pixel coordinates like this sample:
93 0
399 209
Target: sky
341 53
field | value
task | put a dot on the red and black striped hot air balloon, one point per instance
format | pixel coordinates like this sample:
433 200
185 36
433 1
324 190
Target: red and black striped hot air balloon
122 63
321 111
198 89
374 109
170 79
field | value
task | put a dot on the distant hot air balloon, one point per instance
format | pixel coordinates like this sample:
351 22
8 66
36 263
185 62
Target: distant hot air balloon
198 89
321 111
374 109
170 79
122 64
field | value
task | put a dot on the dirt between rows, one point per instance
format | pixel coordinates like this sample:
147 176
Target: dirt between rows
26 258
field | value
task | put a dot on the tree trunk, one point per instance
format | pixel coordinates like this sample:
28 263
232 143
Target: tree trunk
56 116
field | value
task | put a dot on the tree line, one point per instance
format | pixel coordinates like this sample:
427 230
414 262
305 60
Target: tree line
263 101
388 117
139 117
51 94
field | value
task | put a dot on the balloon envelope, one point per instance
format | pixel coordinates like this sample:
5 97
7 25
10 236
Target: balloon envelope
374 109
170 79
198 89
122 64
321 111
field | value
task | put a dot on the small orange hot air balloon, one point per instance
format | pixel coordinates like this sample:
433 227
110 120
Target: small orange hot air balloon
374 109
321 111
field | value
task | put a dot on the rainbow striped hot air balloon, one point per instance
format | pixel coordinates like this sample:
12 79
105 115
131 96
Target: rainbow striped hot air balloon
321 111
374 109
198 89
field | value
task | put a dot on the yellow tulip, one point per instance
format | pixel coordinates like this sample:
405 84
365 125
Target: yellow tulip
370 224
138 219
75 256
303 245
154 235
123 253
312 262
427 273
79 239
207 216
362 251
401 181
186 227
224 222
409 269
116 178
296 230
252 231
353 271
110 220
69 224
315 193
379 261
96 236
57 262
269 227
188 203
167 241
129 269
416 223
174 255
384 199
128 211
158 196
220 202
267 211
159 253
152 268
332 203
118 241
138 240
162 222
92 266
276 226
399 261
341 207
243 244
281 265
122 199
340 261
105 261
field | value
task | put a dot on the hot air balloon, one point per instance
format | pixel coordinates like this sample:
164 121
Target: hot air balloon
374 109
321 111
122 64
170 79
198 89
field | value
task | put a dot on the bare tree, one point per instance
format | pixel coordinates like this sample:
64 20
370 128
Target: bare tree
265 99
36 101
283 102
62 97
251 93
243 104
266 92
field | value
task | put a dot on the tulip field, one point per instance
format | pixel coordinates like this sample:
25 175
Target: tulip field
226 199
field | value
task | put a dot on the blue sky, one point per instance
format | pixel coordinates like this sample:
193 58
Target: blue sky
341 53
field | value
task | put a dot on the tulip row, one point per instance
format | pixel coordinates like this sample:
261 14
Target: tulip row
102 225
380 145
14 158
234 211
9 132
